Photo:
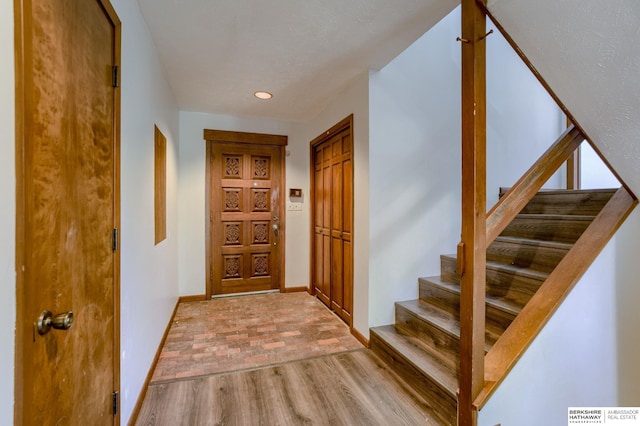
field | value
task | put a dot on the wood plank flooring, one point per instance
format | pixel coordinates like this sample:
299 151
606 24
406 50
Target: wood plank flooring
351 388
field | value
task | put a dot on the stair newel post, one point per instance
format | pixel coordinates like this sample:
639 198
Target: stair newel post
473 269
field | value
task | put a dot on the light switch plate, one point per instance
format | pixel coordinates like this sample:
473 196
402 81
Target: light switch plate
294 207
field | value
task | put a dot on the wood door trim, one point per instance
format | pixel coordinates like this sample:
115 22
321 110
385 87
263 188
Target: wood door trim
21 24
21 249
223 136
212 137
342 125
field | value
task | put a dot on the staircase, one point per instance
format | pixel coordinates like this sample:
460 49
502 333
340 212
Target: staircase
423 344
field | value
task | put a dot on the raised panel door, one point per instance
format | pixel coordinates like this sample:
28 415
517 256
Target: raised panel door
333 222
245 218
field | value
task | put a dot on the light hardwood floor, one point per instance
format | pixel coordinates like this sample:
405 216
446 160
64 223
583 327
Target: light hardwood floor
351 388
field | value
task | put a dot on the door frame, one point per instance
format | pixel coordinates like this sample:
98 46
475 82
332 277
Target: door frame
242 138
344 124
21 24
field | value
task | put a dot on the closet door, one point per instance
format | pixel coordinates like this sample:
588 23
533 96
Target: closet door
341 237
322 222
341 209
333 221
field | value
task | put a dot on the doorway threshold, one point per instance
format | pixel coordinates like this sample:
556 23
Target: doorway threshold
248 293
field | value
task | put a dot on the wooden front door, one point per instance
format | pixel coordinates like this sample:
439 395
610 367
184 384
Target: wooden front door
245 176
67 209
332 200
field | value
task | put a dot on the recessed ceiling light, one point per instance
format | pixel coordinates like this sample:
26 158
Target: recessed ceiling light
263 95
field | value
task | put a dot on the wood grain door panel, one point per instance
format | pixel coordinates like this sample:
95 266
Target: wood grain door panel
67 145
246 186
332 258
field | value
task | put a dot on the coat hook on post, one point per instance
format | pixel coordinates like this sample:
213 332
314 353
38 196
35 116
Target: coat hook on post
464 40
486 35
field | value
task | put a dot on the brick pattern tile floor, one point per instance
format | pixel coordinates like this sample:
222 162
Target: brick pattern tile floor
245 332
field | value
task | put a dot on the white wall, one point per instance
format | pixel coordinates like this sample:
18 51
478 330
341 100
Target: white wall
626 312
149 273
414 166
7 213
522 119
593 172
587 51
587 354
415 153
354 99
192 195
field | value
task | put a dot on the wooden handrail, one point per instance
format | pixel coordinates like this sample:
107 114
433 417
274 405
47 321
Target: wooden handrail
516 339
530 183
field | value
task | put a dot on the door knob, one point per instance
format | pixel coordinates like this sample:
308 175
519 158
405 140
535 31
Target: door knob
62 321
276 229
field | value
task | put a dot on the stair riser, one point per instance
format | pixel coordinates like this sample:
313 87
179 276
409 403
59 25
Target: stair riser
446 347
528 255
511 287
444 404
565 231
442 297
588 203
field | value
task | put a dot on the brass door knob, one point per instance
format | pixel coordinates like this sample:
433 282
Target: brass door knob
46 320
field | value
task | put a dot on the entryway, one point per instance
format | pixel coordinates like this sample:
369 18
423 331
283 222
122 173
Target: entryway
275 359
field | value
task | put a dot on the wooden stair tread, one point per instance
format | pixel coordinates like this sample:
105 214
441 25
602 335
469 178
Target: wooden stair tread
558 217
495 302
520 270
544 191
570 202
541 255
413 353
514 269
535 242
446 321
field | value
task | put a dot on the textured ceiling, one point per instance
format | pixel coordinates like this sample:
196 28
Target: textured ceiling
588 53
216 53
